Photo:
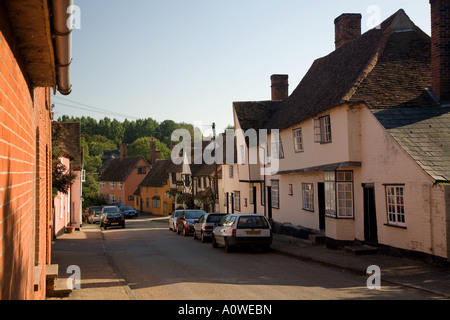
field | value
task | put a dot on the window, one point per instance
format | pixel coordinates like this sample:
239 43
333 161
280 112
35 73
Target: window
277 147
156 202
119 199
298 140
111 185
147 202
102 185
251 199
322 130
330 194
174 177
308 196
142 170
344 185
119 186
237 201
130 198
112 198
291 190
230 172
275 194
395 205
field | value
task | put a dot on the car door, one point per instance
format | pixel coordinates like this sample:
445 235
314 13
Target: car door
199 225
180 220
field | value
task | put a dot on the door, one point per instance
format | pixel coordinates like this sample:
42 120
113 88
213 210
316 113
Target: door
321 199
370 214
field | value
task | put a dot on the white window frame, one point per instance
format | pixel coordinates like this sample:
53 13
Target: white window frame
275 193
298 140
277 147
237 200
102 185
395 205
308 196
111 185
119 185
322 130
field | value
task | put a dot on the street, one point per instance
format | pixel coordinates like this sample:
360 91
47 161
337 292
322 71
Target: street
154 263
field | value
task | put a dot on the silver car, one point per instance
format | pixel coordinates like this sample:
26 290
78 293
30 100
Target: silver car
242 230
204 227
173 220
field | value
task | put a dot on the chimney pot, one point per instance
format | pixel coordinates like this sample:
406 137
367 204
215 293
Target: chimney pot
280 86
347 28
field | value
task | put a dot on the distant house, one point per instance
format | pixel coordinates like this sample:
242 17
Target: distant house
152 197
68 207
121 178
363 145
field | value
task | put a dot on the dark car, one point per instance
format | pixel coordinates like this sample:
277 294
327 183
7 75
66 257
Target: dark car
111 217
186 220
204 227
129 212
118 204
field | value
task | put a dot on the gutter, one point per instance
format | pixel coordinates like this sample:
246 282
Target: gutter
62 35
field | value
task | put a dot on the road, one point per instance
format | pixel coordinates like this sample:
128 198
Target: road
155 263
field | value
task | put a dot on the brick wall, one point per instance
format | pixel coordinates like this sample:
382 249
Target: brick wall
25 176
440 48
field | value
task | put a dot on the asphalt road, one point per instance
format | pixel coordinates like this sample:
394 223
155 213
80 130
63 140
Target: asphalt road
155 263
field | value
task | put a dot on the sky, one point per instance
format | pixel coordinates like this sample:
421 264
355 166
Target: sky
188 60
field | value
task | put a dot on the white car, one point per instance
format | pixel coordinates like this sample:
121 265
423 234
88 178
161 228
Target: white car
242 230
173 220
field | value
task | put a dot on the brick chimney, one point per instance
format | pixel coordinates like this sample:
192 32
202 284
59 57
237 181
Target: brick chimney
347 28
154 154
280 87
123 151
440 48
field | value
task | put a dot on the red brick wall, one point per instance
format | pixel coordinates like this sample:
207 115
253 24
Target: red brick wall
440 48
25 175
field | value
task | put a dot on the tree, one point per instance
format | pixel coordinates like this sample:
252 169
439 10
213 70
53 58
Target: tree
141 147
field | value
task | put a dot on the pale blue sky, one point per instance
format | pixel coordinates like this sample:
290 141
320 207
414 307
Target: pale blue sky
188 60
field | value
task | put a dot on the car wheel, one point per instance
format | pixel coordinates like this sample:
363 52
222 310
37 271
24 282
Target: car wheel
213 242
227 246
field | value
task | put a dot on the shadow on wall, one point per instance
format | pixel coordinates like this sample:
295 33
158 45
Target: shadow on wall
14 270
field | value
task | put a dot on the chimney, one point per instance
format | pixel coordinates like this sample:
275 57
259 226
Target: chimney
154 155
280 87
123 151
440 48
347 28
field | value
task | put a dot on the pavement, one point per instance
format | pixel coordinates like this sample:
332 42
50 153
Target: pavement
101 280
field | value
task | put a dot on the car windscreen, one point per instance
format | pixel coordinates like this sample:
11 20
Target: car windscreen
214 218
251 222
107 210
114 215
127 208
194 214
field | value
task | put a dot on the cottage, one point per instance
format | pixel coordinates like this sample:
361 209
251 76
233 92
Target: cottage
362 144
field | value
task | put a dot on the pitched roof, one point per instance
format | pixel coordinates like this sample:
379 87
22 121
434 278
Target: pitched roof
388 66
119 170
158 175
424 133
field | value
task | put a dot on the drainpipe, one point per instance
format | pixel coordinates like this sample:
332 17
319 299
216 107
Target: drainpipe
62 34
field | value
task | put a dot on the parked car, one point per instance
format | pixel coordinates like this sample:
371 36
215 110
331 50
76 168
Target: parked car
242 230
204 227
186 220
173 220
112 217
129 212
118 204
94 214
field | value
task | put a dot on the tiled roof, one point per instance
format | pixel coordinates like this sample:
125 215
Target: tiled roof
158 175
387 66
424 133
119 170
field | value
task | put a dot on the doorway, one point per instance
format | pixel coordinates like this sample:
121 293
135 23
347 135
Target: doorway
370 214
321 199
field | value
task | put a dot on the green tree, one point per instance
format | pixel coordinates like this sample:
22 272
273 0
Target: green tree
141 147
